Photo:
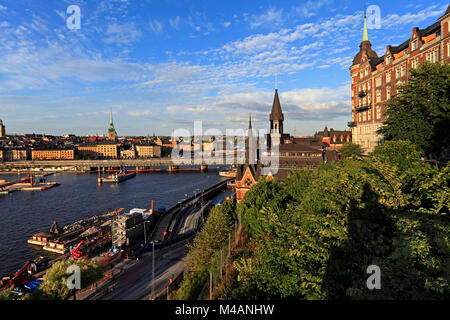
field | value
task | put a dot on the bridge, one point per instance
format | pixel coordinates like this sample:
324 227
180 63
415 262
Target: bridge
139 164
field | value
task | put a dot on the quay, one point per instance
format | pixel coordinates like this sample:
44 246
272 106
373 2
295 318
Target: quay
30 183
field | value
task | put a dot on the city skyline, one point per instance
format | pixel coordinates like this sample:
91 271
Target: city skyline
160 66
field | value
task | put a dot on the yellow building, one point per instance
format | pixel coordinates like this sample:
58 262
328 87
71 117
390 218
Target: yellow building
148 151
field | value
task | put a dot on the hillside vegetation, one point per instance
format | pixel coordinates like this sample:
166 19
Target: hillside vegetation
314 235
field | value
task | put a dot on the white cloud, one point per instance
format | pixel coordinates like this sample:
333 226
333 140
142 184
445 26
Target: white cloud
175 22
270 19
2 8
407 18
122 33
227 24
156 26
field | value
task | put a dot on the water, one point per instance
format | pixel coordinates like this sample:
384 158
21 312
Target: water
25 213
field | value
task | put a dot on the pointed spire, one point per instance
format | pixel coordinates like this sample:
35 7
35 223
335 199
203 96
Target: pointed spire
250 121
276 113
365 33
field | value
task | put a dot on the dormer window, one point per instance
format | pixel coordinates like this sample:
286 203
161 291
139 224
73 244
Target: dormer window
414 45
388 59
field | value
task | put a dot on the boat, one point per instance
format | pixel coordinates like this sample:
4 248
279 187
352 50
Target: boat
117 177
227 174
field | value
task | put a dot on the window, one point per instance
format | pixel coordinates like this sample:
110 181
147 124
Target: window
369 115
403 71
378 96
415 63
388 92
378 81
388 59
432 56
397 73
364 116
414 45
378 115
448 49
388 76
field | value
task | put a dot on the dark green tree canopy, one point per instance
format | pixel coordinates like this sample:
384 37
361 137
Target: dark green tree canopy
420 112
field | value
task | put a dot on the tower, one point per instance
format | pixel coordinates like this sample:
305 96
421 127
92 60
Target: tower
365 46
247 174
2 129
112 134
276 121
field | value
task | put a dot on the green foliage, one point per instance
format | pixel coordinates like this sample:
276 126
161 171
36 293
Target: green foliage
203 253
421 111
350 149
314 235
54 285
212 237
192 285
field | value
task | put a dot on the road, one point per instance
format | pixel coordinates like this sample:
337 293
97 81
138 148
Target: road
136 283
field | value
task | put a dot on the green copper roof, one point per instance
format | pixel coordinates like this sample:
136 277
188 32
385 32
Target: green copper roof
365 34
111 125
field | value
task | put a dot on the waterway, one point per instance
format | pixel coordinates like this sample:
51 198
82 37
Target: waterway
24 213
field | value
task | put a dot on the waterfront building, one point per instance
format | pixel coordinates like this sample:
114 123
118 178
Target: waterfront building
8 154
112 134
128 153
60 154
148 151
374 79
100 149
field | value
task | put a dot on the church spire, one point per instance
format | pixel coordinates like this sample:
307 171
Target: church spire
276 113
365 33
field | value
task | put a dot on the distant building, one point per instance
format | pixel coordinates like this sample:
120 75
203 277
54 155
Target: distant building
374 79
128 153
112 134
13 154
293 152
333 139
2 129
148 151
59 154
100 149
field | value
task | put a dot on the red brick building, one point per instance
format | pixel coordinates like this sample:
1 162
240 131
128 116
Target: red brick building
374 79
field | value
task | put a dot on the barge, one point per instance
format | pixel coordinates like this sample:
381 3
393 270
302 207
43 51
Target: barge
59 240
117 177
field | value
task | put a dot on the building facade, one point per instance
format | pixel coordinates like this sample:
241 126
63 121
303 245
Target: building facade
374 79
62 154
148 151
13 154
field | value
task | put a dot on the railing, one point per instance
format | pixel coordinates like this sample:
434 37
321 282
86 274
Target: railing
362 108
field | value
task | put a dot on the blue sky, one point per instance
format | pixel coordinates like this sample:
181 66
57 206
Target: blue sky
160 65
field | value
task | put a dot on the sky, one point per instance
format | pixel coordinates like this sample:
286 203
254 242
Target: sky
160 65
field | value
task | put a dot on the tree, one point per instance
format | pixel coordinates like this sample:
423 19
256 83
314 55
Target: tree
349 149
55 286
420 112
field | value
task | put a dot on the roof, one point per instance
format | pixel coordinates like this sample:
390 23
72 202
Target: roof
276 113
366 47
299 147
